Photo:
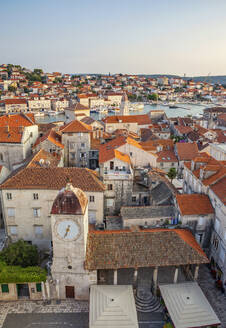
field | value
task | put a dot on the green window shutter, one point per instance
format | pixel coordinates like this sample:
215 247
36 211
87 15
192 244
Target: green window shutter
38 287
5 288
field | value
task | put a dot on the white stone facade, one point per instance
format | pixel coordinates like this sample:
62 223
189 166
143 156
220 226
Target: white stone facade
11 153
26 213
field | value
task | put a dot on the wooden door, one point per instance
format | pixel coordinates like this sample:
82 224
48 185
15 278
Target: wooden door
70 291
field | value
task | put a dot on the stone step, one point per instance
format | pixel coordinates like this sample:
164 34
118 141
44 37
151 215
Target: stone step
146 302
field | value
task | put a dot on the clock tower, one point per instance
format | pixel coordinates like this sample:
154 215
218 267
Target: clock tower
69 224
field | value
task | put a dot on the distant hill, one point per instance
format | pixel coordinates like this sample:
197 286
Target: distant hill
210 79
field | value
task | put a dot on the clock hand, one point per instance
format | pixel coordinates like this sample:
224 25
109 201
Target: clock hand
67 230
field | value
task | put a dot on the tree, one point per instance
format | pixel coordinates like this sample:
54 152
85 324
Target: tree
38 71
153 97
11 88
172 173
20 253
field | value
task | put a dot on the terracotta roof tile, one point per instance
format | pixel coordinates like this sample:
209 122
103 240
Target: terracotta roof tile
147 248
139 119
52 136
186 150
76 127
53 179
166 156
10 135
219 188
16 120
194 204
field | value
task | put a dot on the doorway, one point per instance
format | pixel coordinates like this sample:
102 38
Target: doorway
23 291
70 291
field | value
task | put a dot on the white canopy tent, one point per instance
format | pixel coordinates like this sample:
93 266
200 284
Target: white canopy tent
112 307
188 306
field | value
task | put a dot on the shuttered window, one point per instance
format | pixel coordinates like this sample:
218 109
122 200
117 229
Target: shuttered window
5 288
38 287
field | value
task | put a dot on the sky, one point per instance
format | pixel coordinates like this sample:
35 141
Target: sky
121 36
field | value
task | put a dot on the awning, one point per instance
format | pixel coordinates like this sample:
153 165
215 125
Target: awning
188 306
112 307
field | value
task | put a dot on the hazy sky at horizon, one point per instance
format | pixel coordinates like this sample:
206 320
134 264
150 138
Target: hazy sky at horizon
120 36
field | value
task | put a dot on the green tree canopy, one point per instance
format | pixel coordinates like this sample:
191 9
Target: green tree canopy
20 253
11 88
172 173
38 71
153 97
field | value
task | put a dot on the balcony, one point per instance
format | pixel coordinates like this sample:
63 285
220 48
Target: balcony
116 174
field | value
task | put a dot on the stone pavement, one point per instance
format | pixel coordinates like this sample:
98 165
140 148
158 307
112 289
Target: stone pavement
66 306
215 297
47 320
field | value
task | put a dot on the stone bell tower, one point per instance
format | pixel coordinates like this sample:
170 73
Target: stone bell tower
69 224
124 108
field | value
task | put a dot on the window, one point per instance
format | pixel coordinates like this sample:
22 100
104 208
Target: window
72 155
199 237
11 212
91 199
82 145
38 287
215 242
38 230
110 187
172 164
36 212
134 199
9 195
72 145
110 202
13 230
35 196
201 221
105 170
111 165
161 164
131 154
5 288
92 217
1 157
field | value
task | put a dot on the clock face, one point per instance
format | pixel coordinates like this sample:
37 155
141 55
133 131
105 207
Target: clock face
67 230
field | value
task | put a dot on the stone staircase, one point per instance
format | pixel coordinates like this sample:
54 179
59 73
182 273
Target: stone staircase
146 301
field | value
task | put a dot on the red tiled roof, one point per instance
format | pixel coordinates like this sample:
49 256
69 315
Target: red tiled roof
194 204
219 188
13 101
53 179
166 156
10 135
186 151
183 129
16 120
139 119
76 127
142 248
52 136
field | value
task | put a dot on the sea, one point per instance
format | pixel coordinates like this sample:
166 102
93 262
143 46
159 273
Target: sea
182 110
